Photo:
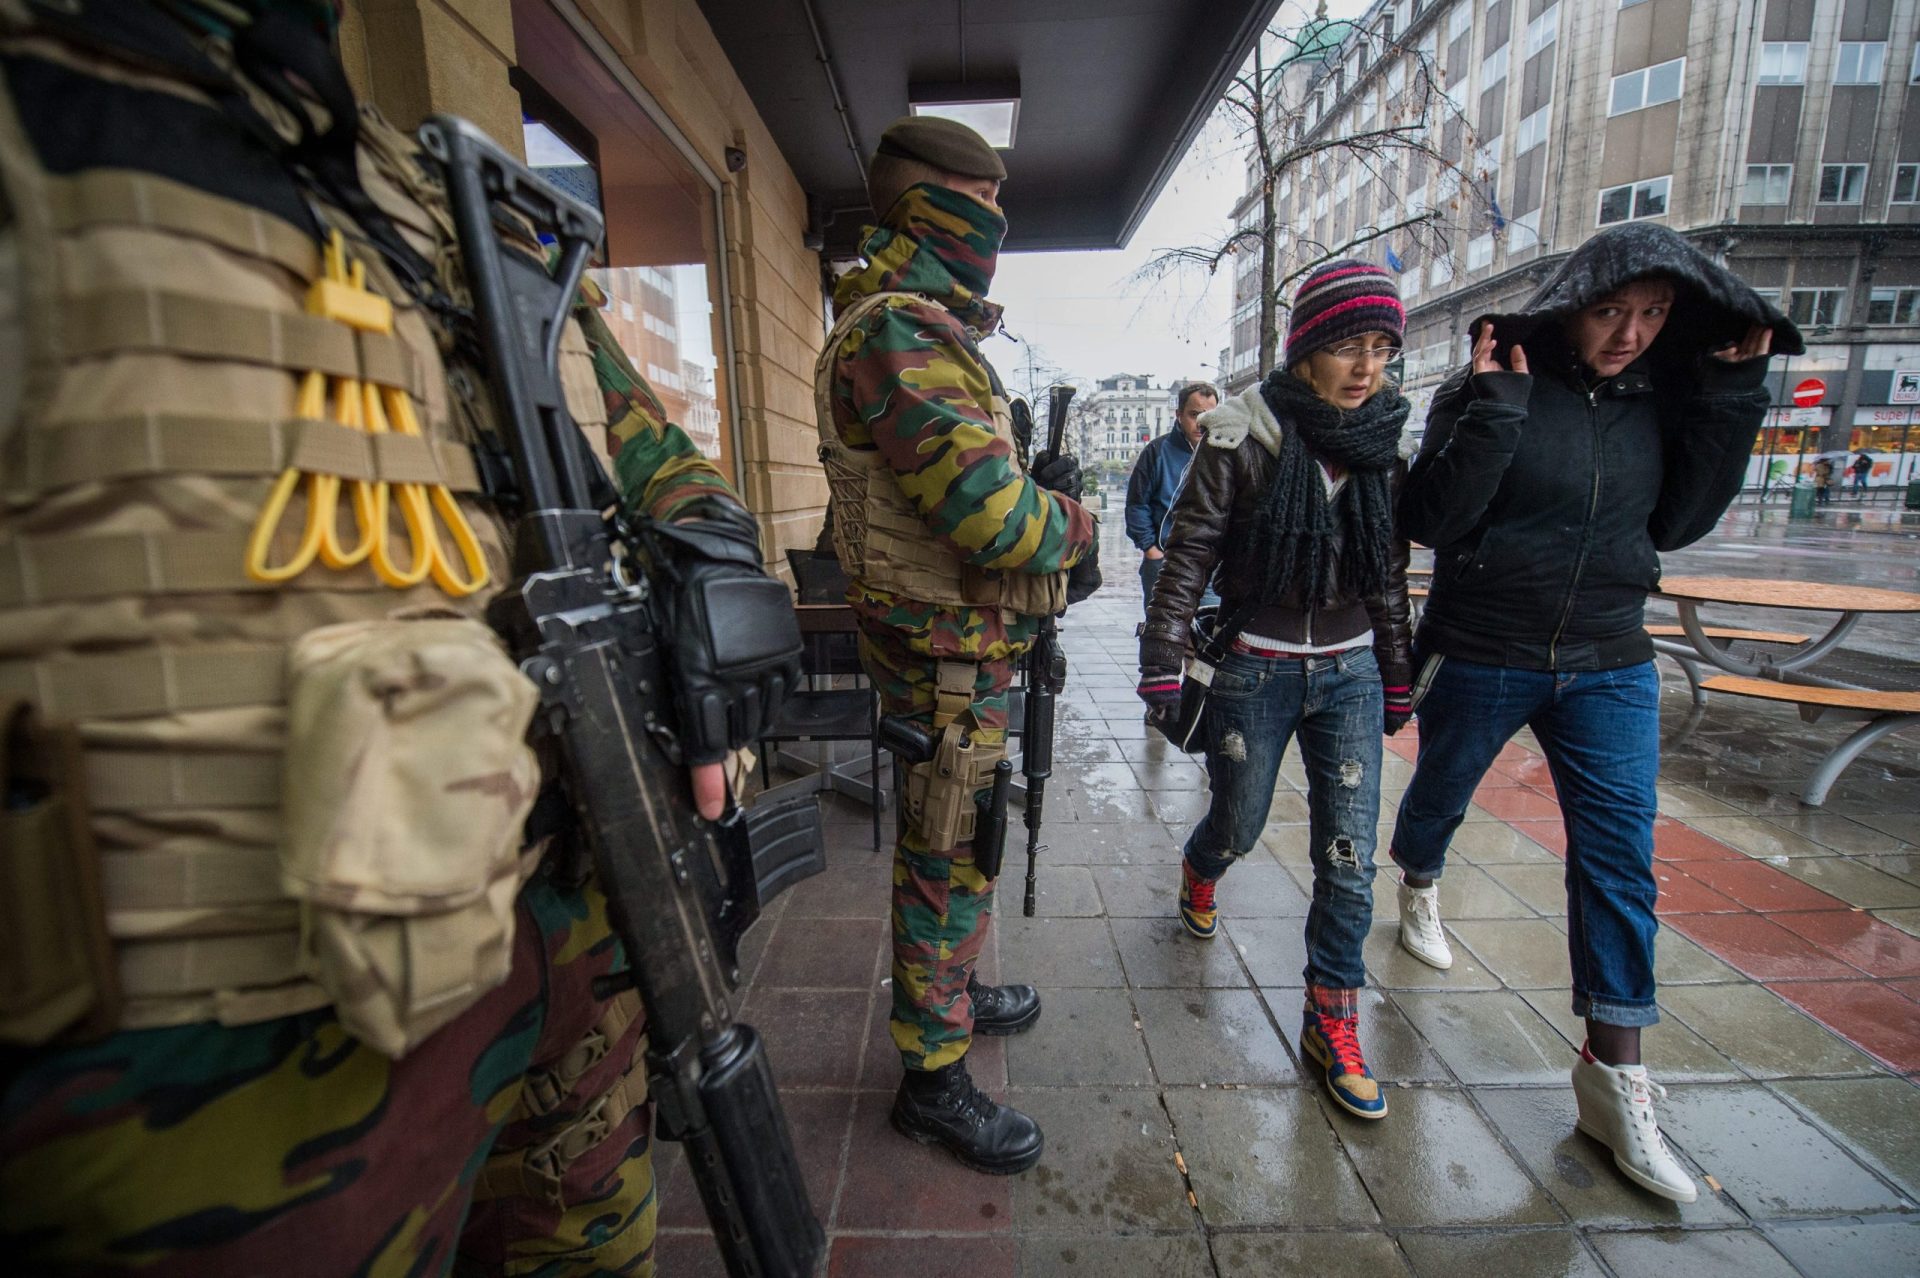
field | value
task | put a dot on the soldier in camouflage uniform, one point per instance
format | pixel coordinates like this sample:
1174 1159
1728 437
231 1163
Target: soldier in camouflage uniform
953 550
220 1119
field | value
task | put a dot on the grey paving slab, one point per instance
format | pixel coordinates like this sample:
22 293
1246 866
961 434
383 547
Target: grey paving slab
1274 950
1042 1257
1104 804
1536 1253
1434 1161
1523 953
1902 865
1160 953
1289 809
1138 891
1487 843
1104 842
1538 1123
1170 773
1108 1166
1178 807
1085 1038
1060 891
1680 961
1265 1157
1393 968
1541 888
1842 834
1260 888
1211 1036
1052 953
1758 837
1762 1035
1395 1051
1674 1053
1668 1253
1770 1160
1856 884
1877 1119
1489 1036
1258 1255
1907 921
1845 1250
1684 803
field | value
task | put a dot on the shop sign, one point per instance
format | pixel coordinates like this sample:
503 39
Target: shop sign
1906 386
1794 418
1885 416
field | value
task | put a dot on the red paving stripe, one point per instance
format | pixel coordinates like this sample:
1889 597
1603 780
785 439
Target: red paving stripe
1551 835
1675 841
1911 988
1681 893
1856 936
1520 803
1759 886
1866 1013
1759 948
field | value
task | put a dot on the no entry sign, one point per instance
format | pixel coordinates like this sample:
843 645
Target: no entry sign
1809 392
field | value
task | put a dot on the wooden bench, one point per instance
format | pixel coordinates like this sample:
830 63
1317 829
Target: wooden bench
1885 713
1729 633
1672 641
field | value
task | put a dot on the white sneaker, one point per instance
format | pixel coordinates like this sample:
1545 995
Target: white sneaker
1616 1109
1420 933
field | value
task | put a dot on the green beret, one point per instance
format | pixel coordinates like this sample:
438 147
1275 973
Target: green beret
947 145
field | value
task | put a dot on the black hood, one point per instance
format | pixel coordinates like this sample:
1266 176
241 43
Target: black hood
1713 307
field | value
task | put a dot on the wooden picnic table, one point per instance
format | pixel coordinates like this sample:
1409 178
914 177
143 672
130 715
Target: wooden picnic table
1786 676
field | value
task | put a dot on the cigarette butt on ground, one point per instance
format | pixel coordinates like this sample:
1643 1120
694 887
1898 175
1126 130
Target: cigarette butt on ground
1192 1201
1179 1162
1713 1184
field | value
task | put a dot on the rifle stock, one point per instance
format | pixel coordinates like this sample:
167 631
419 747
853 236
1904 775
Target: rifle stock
680 891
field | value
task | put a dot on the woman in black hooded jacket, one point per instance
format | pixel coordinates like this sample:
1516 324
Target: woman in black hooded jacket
1620 426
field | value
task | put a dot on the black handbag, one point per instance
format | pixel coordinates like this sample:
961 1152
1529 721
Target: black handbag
1211 640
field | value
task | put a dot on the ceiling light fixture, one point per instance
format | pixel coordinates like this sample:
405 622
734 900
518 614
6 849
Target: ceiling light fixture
990 108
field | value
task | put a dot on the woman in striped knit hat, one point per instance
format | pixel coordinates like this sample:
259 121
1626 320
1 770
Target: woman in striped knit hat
1288 511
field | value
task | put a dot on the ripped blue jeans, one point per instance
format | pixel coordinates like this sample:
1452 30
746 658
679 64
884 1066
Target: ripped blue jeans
1333 706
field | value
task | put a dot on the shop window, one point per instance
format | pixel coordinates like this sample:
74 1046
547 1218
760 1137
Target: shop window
1634 200
1842 183
1768 184
660 267
1822 307
1894 306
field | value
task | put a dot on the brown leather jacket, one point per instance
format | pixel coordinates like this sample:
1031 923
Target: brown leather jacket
1217 505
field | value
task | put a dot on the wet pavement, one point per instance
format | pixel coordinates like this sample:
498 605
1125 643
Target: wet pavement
1184 1138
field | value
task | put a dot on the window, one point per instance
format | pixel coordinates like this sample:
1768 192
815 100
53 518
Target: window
1523 232
1913 69
1410 285
1533 130
1906 184
1634 200
1493 69
1628 4
1543 30
1460 21
1819 306
1479 251
1860 62
1441 272
1842 183
1396 78
1771 296
1784 63
1894 306
1649 86
1768 184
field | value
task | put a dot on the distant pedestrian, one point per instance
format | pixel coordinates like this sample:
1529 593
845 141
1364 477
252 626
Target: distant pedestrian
1157 473
1588 434
1862 467
1823 480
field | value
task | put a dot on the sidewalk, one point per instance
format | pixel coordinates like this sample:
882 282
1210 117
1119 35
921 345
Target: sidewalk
1790 974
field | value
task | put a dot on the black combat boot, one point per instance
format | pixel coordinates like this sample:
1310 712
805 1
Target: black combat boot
943 1107
999 1010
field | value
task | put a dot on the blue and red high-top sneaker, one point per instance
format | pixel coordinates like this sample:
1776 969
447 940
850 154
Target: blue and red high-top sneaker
1196 903
1333 1041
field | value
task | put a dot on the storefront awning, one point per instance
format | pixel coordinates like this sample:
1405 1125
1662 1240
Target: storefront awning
1111 92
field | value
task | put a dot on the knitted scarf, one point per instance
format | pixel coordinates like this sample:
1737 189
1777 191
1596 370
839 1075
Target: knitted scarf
1294 536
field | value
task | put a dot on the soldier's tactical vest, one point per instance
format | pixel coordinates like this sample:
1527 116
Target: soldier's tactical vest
162 331
881 541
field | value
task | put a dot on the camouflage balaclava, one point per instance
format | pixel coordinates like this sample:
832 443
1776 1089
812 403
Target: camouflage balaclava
936 241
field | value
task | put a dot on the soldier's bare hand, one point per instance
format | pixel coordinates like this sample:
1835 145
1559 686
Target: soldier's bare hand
1757 342
710 789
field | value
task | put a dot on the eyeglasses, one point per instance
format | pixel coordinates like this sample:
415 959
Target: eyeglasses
1356 354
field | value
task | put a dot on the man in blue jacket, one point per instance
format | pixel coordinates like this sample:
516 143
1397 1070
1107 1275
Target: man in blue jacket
1157 473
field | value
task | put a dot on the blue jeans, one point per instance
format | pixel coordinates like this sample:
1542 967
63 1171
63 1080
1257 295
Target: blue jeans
1333 705
1600 730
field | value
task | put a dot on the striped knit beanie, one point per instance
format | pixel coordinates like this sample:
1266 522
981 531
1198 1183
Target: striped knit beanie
1338 302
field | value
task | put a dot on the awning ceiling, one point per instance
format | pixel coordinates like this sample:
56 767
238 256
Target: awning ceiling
1112 92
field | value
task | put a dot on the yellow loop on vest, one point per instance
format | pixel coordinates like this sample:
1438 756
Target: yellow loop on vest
341 295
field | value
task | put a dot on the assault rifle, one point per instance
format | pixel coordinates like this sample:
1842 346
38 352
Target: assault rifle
1046 676
582 618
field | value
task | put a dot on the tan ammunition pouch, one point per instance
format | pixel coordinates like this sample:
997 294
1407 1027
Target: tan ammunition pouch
881 540
56 964
164 335
937 797
407 781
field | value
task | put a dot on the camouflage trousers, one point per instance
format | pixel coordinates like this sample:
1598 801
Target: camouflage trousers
510 1142
941 904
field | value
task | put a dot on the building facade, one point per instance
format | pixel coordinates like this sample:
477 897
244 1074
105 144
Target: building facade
1781 136
1121 415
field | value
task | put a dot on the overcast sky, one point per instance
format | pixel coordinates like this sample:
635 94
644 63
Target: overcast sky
1079 311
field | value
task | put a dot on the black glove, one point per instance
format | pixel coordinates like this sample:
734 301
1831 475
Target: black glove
732 640
1084 577
1060 473
1161 664
1399 708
